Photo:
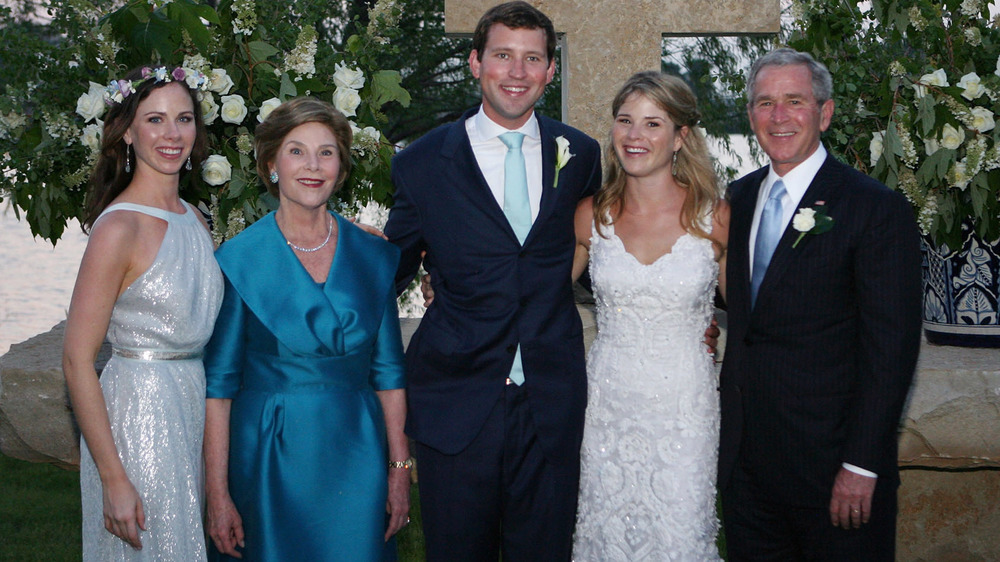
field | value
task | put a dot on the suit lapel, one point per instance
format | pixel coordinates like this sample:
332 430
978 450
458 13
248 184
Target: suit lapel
463 172
744 200
784 254
549 194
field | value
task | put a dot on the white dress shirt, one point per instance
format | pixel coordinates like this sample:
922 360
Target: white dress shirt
796 183
490 151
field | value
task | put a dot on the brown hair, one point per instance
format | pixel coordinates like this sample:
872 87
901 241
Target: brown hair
515 15
109 178
693 170
289 115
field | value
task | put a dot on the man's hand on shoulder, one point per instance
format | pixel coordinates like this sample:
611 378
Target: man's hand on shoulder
368 228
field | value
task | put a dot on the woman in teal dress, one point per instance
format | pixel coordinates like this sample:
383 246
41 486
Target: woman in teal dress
304 448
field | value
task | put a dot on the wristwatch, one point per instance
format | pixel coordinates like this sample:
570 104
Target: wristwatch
407 464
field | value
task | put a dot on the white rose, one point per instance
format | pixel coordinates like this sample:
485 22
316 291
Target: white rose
959 178
931 146
219 81
936 78
346 77
209 109
997 71
347 101
804 220
216 170
982 119
951 137
372 133
234 109
91 105
355 130
876 146
266 108
91 136
973 86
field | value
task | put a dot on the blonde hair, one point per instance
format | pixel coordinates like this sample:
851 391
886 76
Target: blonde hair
692 169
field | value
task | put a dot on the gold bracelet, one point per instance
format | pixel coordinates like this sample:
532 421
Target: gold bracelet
407 464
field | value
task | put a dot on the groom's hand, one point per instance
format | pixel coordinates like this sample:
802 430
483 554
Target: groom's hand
851 503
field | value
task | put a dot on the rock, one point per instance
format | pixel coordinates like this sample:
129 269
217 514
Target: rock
949 516
952 419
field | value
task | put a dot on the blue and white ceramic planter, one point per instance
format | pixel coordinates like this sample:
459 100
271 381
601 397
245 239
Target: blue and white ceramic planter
960 292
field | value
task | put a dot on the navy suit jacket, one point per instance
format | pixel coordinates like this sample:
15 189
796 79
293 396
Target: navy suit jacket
816 374
490 293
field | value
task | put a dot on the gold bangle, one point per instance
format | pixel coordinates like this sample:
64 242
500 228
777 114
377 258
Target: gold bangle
407 464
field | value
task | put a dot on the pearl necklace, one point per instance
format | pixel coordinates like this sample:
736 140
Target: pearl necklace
329 232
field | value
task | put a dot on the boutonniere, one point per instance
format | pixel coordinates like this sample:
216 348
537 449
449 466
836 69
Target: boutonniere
811 220
562 157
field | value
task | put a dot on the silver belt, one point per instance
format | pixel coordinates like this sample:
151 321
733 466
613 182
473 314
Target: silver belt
156 354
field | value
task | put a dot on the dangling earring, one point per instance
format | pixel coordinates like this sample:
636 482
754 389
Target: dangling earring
274 177
128 159
673 165
187 166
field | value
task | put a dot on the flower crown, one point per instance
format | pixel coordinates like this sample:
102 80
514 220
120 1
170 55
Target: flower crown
118 90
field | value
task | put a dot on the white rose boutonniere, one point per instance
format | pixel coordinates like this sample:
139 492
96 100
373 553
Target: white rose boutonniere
562 157
811 220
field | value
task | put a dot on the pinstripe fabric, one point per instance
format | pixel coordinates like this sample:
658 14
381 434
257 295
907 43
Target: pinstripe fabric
817 373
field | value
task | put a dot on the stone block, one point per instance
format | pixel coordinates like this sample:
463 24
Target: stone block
952 419
949 516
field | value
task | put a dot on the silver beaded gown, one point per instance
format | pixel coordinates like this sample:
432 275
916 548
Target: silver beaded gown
154 387
647 489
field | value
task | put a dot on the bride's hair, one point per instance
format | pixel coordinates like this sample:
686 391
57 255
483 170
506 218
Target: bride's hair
692 169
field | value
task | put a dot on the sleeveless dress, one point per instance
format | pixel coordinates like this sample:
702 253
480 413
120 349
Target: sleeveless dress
154 387
647 489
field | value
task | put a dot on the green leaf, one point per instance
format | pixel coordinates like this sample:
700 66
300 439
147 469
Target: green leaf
925 113
387 87
190 20
259 50
288 89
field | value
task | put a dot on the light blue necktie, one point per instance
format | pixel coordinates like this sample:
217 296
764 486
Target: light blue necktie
768 234
518 212
515 187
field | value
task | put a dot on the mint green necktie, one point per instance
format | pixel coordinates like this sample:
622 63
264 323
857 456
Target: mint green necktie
515 187
518 212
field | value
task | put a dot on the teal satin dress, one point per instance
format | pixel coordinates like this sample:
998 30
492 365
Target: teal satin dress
301 362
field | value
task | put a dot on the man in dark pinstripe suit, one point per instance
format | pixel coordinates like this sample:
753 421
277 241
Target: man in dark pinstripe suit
824 319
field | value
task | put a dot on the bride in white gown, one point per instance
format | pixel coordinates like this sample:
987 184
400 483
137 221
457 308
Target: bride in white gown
655 236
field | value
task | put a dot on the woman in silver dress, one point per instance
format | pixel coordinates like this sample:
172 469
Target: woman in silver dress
149 283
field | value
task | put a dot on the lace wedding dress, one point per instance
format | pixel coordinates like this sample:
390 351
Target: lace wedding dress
154 387
647 489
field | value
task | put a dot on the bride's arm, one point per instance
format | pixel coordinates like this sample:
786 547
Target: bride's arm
582 223
720 235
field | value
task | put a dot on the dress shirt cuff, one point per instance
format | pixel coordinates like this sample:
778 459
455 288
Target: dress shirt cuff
859 470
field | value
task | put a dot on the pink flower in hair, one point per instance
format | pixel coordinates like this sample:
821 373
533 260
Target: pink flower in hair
178 73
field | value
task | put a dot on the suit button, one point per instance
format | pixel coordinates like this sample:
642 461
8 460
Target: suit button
521 254
524 302
511 348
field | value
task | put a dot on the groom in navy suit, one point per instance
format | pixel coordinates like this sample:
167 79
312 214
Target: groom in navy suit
824 323
496 378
